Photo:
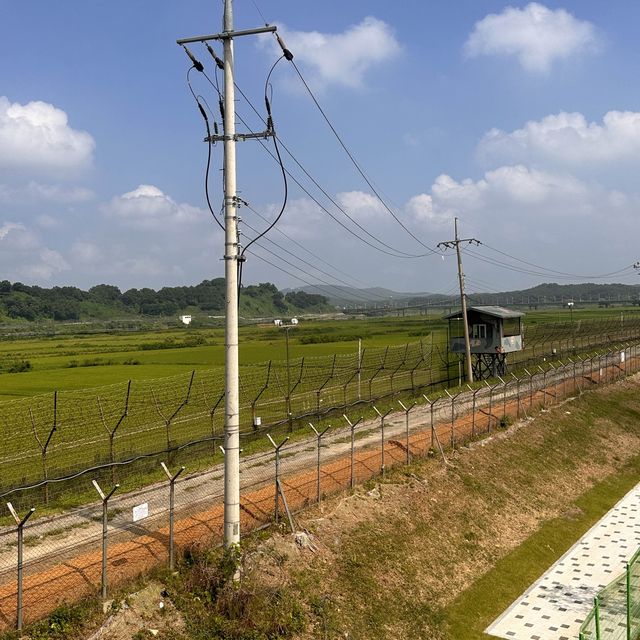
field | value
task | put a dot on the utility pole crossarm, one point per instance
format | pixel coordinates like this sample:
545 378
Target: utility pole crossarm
227 35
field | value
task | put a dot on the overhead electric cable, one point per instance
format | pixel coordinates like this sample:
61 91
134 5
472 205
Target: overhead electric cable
401 254
553 271
307 250
309 264
355 162
209 145
510 267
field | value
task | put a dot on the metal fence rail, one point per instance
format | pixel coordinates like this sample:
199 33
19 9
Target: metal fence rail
64 557
616 609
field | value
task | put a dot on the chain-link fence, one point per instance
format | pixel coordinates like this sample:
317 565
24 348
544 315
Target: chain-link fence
127 530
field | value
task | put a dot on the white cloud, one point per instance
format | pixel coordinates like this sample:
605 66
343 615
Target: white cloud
516 189
86 253
37 136
23 254
46 221
34 192
342 58
7 227
360 204
536 35
421 209
149 208
302 219
568 138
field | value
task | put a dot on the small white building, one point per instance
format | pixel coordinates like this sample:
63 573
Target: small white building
294 320
186 320
277 322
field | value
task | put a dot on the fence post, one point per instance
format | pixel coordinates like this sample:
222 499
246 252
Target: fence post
473 410
530 387
172 481
515 377
105 501
277 447
628 585
382 417
319 435
504 397
433 444
406 424
453 417
352 426
20 522
265 386
490 405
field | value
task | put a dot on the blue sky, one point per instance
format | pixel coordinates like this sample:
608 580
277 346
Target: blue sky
521 119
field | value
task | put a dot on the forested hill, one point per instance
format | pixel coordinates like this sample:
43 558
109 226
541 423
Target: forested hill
22 302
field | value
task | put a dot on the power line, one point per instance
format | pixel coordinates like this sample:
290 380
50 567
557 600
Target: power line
297 257
309 264
543 274
392 251
553 271
355 162
311 253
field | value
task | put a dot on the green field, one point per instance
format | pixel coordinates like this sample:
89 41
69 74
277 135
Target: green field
76 362
131 396
83 361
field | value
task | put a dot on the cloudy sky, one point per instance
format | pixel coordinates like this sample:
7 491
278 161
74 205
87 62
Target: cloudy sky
521 119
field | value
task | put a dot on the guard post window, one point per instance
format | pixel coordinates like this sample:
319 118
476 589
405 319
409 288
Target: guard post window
479 332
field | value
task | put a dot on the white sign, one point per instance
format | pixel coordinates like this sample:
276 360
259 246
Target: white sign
622 356
140 511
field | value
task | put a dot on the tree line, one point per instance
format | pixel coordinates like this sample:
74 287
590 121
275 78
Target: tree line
20 301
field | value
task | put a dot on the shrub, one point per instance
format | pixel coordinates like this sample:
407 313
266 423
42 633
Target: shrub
19 366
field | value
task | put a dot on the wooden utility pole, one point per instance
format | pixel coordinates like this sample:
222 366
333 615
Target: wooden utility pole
449 244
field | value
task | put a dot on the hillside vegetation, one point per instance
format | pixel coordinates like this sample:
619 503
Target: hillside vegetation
22 302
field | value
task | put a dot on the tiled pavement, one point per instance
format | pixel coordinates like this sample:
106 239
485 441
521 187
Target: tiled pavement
554 607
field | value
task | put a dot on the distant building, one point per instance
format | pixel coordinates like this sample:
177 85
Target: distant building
294 320
186 320
277 322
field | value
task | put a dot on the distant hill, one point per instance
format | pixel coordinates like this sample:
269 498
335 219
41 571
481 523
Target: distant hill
545 293
103 302
339 295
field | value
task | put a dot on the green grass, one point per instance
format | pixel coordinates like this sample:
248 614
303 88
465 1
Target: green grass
473 610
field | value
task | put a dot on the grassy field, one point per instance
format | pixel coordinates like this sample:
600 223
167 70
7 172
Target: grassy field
76 362
85 361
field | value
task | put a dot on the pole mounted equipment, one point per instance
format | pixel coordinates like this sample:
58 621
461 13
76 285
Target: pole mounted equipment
231 259
455 244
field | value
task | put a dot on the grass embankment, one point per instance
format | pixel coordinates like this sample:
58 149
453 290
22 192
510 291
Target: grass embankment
439 552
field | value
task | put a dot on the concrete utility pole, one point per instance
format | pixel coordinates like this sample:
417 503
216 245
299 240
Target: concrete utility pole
463 300
231 253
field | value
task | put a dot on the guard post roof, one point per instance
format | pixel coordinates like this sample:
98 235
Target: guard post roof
490 310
